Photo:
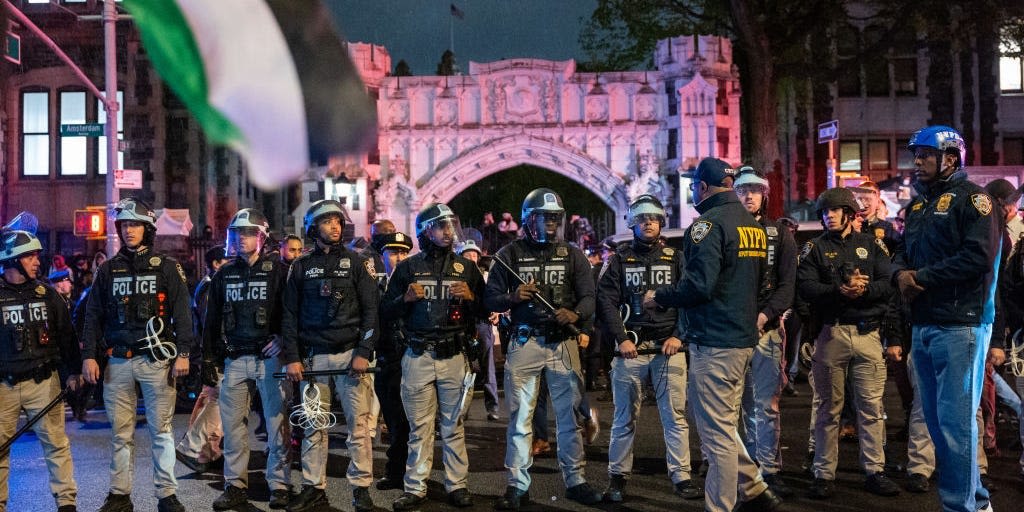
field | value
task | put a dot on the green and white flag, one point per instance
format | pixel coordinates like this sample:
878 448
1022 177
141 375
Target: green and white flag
268 78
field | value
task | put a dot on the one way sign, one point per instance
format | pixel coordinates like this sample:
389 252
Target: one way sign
828 131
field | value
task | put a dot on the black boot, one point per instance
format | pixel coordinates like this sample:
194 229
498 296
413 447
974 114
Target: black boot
308 500
117 503
361 500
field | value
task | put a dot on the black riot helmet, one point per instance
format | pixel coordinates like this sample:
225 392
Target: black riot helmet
542 207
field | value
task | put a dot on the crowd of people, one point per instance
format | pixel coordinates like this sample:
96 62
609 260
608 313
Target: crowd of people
710 332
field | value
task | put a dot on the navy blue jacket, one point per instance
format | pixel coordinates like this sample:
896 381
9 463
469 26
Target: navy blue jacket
952 239
820 275
726 253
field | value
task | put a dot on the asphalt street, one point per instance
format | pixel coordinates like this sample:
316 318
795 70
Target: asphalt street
648 490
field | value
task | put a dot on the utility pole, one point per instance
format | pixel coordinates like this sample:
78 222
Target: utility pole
112 107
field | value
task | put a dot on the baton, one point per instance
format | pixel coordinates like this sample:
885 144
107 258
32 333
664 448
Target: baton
572 328
31 421
324 373
641 352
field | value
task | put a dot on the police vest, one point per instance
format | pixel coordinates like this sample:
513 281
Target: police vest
771 279
551 269
137 293
437 315
248 302
25 341
329 298
643 271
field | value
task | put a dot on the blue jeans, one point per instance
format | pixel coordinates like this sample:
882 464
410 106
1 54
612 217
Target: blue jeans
950 366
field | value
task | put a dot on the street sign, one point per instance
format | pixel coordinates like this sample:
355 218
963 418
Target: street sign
82 130
12 48
828 131
128 178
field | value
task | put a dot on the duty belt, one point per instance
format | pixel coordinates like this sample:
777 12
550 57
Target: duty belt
543 335
863 325
38 374
657 335
249 349
444 348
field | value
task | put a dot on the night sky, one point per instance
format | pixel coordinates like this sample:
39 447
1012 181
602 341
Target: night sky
418 30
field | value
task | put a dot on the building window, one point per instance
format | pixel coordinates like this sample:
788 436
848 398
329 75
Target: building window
722 138
72 149
849 156
1013 151
35 129
101 142
1011 68
904 158
673 100
904 63
876 70
848 83
672 151
722 100
878 155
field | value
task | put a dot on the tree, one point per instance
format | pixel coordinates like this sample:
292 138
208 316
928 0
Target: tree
402 69
447 66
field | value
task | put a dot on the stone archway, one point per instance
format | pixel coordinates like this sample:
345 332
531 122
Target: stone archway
455 175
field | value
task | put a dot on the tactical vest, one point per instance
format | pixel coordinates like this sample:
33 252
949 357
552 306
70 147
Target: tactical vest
135 295
25 341
329 293
771 279
551 269
249 295
643 271
437 315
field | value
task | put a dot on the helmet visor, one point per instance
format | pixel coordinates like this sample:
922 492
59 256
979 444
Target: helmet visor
545 227
244 241
443 231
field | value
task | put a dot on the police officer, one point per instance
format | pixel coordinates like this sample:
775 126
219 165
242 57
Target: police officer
844 275
36 339
242 336
330 317
644 264
437 295
725 253
869 196
543 341
946 271
765 379
393 248
139 305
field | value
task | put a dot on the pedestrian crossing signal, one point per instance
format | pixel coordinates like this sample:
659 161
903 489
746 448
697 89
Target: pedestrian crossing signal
90 223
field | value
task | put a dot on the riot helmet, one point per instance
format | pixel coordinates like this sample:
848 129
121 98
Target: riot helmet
748 176
838 197
437 223
543 216
248 222
131 209
18 240
316 212
645 208
944 139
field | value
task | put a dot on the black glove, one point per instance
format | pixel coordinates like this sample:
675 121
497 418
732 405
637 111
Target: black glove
209 374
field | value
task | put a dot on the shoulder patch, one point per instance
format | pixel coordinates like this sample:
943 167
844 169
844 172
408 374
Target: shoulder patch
181 272
368 263
982 203
881 245
699 230
806 250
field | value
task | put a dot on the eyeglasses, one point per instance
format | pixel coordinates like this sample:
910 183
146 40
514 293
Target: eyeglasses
694 185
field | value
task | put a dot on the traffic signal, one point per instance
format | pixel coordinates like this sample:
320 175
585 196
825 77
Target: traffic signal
90 223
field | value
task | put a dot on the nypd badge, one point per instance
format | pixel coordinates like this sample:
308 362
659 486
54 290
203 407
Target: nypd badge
562 251
699 230
40 291
345 263
982 203
668 251
267 266
862 253
772 230
154 261
943 203
881 245
879 233
459 267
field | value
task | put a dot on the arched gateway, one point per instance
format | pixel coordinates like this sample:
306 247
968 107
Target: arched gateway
619 134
